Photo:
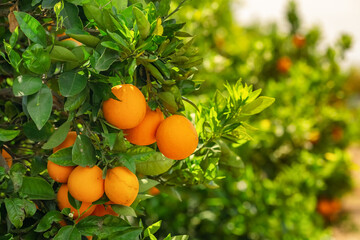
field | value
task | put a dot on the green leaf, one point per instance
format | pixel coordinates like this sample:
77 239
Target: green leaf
102 227
14 37
26 85
111 45
29 207
132 233
156 164
119 40
31 28
36 59
152 229
8 135
164 7
123 210
40 105
17 173
105 60
146 183
34 134
36 188
68 233
168 100
47 220
257 105
88 40
71 83
74 102
15 211
119 4
58 136
61 54
142 23
83 152
62 157
70 14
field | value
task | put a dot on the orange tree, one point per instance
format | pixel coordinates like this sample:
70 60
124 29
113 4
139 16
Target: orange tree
297 165
85 88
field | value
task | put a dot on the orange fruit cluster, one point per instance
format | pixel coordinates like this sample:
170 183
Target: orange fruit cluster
86 184
175 136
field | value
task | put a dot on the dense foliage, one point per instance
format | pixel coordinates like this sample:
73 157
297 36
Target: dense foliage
59 62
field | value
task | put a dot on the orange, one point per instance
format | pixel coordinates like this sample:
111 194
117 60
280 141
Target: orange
7 157
86 184
283 64
63 202
154 191
129 111
121 186
328 208
144 133
59 173
68 142
299 41
102 210
176 137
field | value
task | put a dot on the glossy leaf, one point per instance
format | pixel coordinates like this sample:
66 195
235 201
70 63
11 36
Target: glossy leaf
68 233
146 183
71 83
61 54
156 164
36 188
46 221
8 135
70 13
142 23
62 157
15 211
31 28
58 136
83 152
33 133
26 85
123 210
257 105
36 59
39 106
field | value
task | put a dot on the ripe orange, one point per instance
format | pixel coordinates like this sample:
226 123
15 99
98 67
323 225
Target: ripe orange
299 41
328 208
63 202
121 186
144 133
68 142
176 137
102 210
7 157
154 191
86 184
283 64
129 111
59 173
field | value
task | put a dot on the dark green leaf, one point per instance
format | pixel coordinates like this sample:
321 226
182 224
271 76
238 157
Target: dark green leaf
34 134
62 157
40 105
74 102
49 3
83 152
132 233
17 173
31 28
68 233
105 60
37 188
47 220
71 83
26 85
36 59
102 227
15 211
123 210
58 136
14 37
70 13
8 135
29 207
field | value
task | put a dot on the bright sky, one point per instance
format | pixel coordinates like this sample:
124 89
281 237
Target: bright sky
333 16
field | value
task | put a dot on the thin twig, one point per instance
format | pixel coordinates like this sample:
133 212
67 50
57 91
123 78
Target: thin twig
176 9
